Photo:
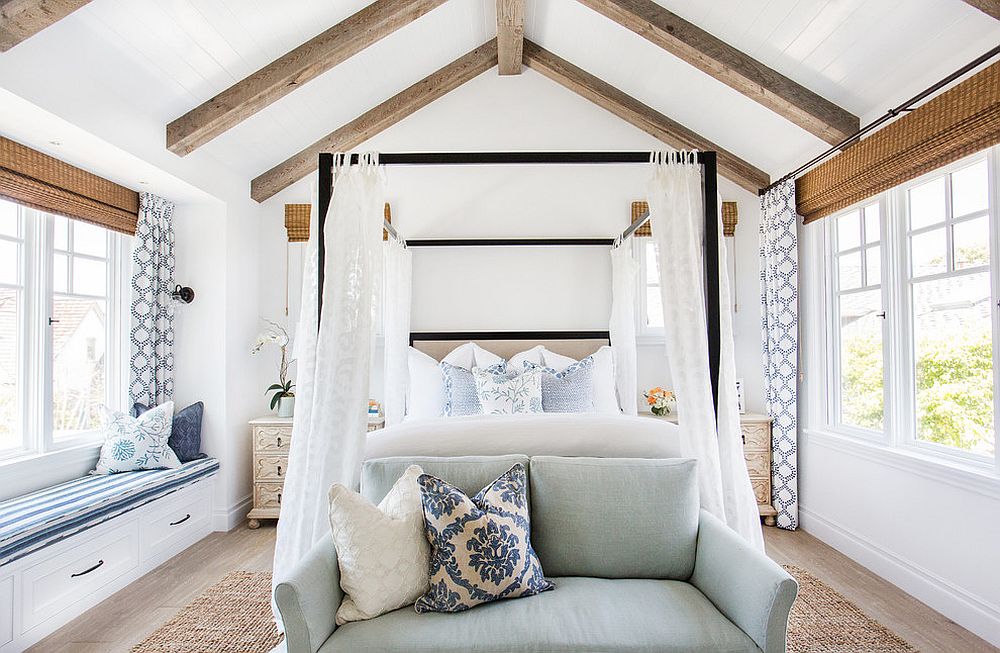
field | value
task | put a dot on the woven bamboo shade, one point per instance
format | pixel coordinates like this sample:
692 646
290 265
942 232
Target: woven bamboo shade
961 121
387 212
640 209
45 183
730 216
297 222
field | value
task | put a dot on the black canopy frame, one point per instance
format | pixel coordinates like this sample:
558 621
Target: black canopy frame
710 185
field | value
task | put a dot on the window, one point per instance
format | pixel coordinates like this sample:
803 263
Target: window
61 329
650 299
911 332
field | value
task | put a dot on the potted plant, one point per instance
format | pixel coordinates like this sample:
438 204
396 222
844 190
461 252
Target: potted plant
661 402
283 397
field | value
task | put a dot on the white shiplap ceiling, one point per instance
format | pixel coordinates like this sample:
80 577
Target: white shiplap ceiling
142 63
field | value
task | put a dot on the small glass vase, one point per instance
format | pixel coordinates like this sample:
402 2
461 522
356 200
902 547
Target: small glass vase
660 411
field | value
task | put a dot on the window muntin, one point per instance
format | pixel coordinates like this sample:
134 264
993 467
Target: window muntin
859 316
933 270
951 311
61 320
11 329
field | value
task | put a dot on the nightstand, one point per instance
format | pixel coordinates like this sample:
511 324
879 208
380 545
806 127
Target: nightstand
756 431
272 437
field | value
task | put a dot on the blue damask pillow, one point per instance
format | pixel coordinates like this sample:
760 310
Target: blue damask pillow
569 391
460 397
185 435
480 547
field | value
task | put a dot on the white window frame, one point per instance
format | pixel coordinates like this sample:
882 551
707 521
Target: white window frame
644 332
899 420
36 359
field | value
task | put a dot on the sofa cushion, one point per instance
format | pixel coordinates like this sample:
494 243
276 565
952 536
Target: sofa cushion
615 517
468 473
582 614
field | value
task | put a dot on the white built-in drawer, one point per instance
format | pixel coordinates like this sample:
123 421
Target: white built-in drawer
272 439
63 579
173 519
6 610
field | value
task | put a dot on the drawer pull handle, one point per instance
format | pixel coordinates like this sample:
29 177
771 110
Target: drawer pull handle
87 571
279 470
279 498
279 440
181 521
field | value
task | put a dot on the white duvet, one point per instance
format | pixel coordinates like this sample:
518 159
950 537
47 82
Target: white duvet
601 436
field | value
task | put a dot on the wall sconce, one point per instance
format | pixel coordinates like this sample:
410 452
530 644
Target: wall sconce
183 294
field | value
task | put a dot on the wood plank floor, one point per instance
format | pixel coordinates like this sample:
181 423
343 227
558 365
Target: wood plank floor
125 619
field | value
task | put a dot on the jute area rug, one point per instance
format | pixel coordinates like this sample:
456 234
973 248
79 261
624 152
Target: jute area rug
234 616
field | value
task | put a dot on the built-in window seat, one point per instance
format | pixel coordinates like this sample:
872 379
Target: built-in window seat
65 548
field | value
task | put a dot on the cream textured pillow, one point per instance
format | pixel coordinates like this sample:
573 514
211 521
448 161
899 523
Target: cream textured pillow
382 551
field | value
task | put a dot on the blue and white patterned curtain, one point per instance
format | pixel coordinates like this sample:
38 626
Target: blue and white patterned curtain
779 293
151 367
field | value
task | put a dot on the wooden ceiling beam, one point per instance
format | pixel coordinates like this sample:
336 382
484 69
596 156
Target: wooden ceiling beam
372 122
740 71
989 7
20 19
510 35
639 115
284 75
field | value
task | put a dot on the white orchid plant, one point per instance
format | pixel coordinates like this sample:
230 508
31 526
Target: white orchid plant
276 335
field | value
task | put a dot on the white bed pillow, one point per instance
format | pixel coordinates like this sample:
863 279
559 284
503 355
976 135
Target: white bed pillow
533 355
425 391
605 393
471 355
382 551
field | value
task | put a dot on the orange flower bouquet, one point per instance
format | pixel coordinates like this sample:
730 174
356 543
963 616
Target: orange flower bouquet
661 402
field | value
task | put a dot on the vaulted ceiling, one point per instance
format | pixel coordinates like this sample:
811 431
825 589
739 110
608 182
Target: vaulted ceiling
767 83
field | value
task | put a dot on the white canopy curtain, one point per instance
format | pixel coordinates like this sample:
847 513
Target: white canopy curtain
779 294
396 328
677 219
624 275
331 421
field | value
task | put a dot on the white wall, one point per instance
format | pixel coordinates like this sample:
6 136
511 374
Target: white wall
930 528
522 288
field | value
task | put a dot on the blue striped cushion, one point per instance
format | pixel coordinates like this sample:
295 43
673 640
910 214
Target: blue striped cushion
36 520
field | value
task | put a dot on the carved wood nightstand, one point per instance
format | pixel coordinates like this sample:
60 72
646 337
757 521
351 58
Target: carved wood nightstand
271 439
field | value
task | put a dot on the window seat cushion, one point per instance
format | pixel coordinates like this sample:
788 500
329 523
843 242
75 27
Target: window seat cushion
34 521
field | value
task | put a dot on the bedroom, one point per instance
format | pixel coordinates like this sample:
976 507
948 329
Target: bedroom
900 525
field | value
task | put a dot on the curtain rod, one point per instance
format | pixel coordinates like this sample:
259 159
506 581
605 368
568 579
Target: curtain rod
892 113
509 158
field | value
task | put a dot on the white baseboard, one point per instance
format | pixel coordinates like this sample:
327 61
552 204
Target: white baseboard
970 611
227 519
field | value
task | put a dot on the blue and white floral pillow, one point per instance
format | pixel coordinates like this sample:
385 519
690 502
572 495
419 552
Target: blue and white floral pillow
480 547
135 443
460 396
509 393
569 391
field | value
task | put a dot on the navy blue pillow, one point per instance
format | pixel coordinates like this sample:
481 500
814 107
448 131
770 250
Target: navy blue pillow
185 434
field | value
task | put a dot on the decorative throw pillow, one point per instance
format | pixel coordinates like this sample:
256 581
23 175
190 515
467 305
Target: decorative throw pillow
569 391
480 547
460 396
605 391
185 434
134 443
509 393
382 551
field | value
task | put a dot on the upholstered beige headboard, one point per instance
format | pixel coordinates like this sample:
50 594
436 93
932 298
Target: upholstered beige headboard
575 344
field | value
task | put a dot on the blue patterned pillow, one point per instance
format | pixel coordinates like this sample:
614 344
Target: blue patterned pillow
185 434
136 443
480 547
509 393
460 396
569 391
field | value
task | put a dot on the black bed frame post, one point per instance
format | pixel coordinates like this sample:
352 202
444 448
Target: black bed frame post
710 187
323 204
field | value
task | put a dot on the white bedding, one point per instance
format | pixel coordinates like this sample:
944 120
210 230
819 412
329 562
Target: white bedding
602 436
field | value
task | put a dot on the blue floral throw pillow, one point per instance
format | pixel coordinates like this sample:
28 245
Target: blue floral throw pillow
480 547
460 389
185 434
509 393
569 391
135 443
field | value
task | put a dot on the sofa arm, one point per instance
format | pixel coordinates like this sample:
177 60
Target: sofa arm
753 591
309 598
